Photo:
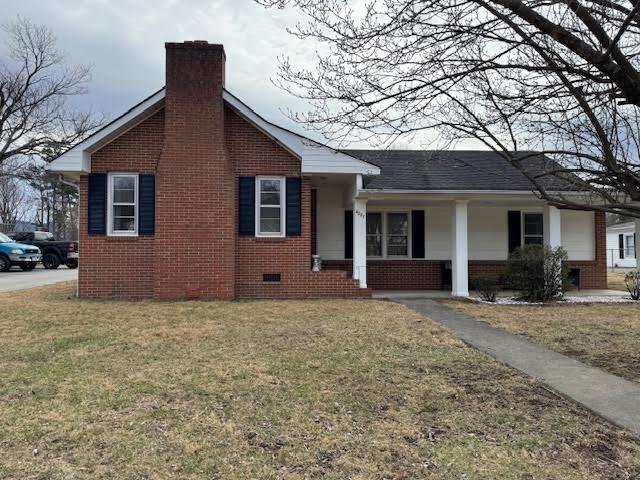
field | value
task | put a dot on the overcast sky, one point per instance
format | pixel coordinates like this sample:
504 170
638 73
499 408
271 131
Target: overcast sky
124 42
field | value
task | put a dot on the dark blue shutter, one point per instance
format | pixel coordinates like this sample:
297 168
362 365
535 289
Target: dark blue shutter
147 204
514 228
348 234
417 233
294 206
246 205
97 204
621 245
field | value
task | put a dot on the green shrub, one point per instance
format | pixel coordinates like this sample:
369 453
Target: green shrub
538 273
487 288
632 281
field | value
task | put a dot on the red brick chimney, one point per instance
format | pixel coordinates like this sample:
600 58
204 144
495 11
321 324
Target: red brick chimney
195 231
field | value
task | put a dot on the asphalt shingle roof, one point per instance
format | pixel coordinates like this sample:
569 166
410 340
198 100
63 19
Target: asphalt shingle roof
453 170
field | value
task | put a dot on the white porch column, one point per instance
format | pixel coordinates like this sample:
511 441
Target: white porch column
552 227
360 241
460 250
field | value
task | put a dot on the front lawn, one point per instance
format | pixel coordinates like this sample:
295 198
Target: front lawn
274 390
603 335
615 281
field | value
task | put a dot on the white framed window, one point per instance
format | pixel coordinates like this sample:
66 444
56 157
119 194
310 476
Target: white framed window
388 234
122 215
270 206
397 234
533 229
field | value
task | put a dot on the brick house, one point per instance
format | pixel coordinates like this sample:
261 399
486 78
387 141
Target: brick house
191 194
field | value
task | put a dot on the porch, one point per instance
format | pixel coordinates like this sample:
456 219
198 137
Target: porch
438 241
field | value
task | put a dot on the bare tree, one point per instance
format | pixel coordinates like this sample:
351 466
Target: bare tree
522 77
56 202
36 84
14 200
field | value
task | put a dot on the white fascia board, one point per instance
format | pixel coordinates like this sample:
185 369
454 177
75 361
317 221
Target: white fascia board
73 160
382 194
78 158
315 157
462 192
321 159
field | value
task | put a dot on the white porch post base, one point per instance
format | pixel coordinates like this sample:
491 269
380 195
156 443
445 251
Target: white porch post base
360 242
552 226
460 250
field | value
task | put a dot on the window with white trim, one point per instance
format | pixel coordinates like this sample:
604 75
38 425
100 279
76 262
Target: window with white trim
533 230
123 204
397 234
270 206
388 234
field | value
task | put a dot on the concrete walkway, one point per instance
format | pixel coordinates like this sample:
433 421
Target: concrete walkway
614 398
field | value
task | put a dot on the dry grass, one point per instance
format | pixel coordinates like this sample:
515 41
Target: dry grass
603 335
615 281
274 390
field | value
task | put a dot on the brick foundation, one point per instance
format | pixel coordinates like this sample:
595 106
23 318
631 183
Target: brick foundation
426 274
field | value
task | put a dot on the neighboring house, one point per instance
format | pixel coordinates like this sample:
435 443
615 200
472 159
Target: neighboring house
191 194
621 245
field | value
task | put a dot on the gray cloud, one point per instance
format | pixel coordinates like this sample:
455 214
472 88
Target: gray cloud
124 42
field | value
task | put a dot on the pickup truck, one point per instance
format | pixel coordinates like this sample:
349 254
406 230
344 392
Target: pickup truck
12 253
54 252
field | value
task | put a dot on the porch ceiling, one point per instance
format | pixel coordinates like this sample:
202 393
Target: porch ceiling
333 180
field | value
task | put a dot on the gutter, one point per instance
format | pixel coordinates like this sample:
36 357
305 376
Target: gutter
464 192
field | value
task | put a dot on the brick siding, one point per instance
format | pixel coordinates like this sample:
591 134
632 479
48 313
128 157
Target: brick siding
116 267
197 148
253 153
195 225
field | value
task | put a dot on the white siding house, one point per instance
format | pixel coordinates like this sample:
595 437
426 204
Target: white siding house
621 241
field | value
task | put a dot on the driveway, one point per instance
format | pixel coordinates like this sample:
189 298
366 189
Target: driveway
16 279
